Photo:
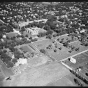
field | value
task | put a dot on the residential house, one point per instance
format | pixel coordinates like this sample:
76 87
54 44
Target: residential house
34 31
11 34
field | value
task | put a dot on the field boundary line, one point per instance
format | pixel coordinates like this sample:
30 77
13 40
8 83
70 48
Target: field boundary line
74 55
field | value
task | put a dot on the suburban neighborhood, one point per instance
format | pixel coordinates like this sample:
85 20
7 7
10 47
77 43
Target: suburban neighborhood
44 44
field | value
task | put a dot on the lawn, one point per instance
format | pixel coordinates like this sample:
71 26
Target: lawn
25 49
37 61
7 72
42 44
59 54
78 44
55 52
40 76
65 37
81 59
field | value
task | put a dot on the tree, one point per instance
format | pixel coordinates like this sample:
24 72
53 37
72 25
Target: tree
43 51
12 49
78 82
49 32
51 18
47 27
55 50
22 29
49 36
26 35
41 34
65 44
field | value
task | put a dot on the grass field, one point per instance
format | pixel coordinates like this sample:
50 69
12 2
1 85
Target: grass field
45 43
7 72
25 49
40 76
42 44
78 44
65 37
59 54
81 59
1 79
67 80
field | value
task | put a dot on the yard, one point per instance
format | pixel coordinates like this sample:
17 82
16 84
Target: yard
78 44
56 50
57 53
39 76
42 44
25 49
81 59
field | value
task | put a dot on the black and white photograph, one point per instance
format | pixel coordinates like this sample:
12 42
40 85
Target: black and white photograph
43 44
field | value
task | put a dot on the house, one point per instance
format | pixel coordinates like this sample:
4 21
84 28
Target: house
11 34
16 31
73 60
21 24
21 61
34 31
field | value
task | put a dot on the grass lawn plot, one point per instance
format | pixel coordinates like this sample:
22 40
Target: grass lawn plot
42 44
57 53
40 76
83 72
37 61
65 38
6 71
81 59
25 49
78 44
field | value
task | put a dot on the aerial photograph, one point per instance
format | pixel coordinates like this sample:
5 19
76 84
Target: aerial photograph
44 44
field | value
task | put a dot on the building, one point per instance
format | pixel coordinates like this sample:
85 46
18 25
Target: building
73 60
22 24
11 34
21 61
34 31
16 31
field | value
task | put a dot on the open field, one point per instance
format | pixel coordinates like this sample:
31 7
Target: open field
25 49
78 44
42 44
81 59
65 37
7 72
39 76
1 79
59 54
67 80
37 61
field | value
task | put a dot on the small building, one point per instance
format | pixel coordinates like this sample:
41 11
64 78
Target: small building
21 24
21 61
82 31
4 36
73 60
11 34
